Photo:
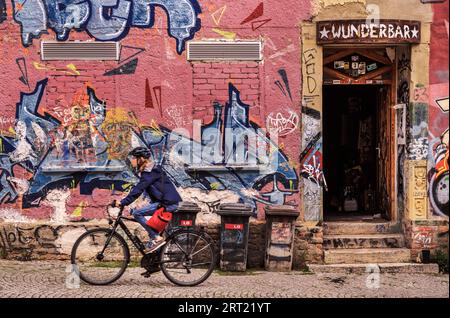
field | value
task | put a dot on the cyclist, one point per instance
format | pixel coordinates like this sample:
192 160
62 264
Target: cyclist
155 183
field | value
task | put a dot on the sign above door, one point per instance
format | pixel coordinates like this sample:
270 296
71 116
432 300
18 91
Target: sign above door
361 32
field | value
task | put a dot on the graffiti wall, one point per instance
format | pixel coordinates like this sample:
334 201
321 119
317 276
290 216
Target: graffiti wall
437 96
222 131
90 150
104 20
403 61
311 166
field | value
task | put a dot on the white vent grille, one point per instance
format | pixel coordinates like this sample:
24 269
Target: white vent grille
230 51
76 50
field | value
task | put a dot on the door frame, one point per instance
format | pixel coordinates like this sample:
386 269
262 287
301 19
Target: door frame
366 50
312 95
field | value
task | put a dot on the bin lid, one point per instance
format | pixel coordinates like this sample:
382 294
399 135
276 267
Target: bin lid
238 209
190 207
282 210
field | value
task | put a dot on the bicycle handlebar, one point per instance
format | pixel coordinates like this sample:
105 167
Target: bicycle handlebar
114 205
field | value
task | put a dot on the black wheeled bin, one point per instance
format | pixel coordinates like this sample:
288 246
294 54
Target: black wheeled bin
185 215
234 231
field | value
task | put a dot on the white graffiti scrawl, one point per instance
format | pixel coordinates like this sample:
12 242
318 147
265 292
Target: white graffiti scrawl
282 125
313 172
105 20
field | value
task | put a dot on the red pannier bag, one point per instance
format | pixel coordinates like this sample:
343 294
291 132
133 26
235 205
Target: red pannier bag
159 220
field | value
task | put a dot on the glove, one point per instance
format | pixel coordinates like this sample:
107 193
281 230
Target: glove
116 204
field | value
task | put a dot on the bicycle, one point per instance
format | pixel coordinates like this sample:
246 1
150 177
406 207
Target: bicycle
101 255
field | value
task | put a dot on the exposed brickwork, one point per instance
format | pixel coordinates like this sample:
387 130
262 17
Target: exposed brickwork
256 245
426 235
210 83
45 241
308 248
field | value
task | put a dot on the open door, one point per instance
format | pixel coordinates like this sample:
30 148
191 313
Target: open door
358 131
383 152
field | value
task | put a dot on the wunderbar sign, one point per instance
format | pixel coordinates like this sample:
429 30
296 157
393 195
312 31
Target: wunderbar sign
359 31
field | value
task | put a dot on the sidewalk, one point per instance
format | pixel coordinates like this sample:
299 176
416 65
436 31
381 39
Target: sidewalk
48 279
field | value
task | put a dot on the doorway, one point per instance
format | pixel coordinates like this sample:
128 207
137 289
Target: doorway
356 152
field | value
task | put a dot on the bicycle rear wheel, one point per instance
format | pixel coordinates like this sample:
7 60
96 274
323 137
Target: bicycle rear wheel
188 258
98 263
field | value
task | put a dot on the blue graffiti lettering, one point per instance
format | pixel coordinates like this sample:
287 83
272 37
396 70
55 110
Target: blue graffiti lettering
109 19
32 19
64 15
105 20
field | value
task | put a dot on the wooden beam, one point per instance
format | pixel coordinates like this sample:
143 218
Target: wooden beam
337 56
355 82
336 74
373 56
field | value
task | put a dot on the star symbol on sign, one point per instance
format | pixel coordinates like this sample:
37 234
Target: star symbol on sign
324 33
415 32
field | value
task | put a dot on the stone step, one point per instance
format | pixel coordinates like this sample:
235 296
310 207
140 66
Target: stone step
367 255
363 241
353 228
408 268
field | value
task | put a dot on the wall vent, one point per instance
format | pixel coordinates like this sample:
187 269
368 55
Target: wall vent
229 51
77 50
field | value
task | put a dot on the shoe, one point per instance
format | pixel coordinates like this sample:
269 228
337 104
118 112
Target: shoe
154 245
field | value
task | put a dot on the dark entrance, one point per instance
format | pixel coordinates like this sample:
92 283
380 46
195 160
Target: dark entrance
355 148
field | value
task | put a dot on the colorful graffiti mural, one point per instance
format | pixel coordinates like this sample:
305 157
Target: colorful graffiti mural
439 181
436 95
90 149
438 157
105 20
311 162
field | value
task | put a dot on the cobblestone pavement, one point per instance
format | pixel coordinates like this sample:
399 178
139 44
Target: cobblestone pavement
48 279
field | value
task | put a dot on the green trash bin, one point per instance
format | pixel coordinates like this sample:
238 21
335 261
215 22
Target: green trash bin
234 231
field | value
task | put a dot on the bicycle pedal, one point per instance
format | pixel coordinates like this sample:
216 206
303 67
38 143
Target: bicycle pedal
146 274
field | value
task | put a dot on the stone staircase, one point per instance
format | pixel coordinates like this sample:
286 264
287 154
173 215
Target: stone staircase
364 243
349 247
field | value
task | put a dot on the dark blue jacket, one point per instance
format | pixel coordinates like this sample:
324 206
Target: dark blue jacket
158 187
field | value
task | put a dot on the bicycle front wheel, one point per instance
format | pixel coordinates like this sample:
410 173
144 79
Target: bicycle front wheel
188 258
99 257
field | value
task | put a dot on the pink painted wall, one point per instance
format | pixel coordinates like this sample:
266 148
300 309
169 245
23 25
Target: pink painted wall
438 110
159 65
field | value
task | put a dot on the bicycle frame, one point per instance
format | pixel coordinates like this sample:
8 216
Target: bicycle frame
133 238
137 242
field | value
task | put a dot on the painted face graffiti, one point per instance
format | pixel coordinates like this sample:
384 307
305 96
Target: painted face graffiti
105 20
118 129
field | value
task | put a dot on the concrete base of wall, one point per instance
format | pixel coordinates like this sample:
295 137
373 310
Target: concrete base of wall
46 241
